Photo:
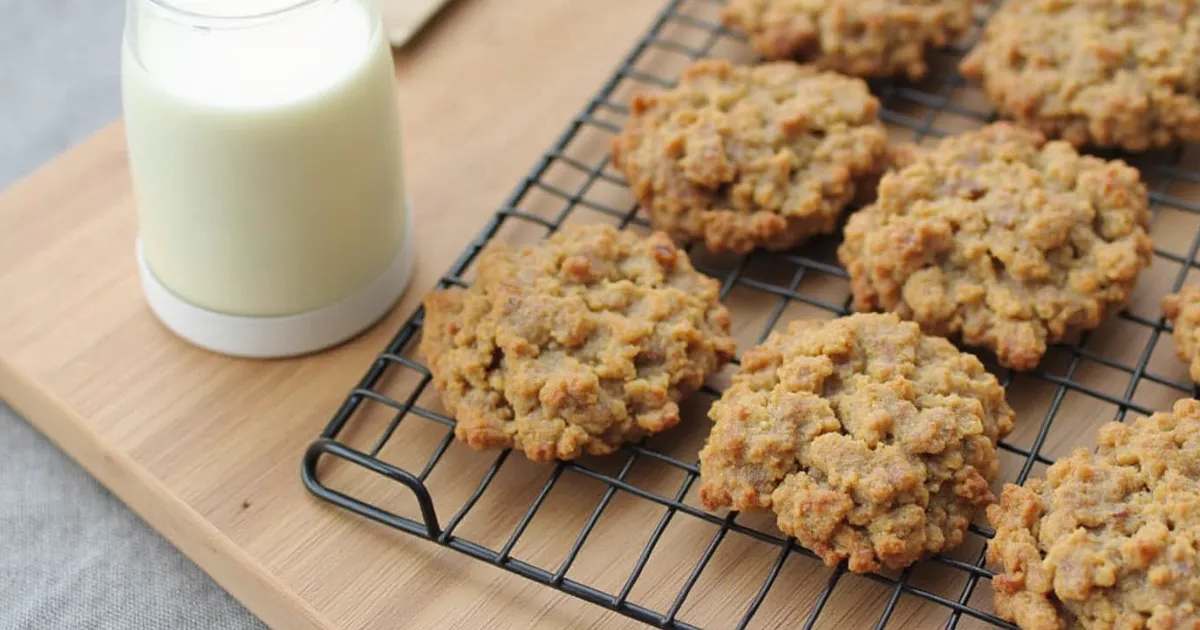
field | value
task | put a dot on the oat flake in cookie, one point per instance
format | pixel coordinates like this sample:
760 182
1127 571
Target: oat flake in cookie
867 38
745 157
1108 539
575 345
1095 72
870 440
1002 239
1183 310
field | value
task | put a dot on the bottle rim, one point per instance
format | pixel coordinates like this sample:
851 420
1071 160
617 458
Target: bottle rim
172 9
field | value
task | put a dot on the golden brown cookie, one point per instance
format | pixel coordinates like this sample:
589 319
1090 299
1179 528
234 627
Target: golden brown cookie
743 157
1183 311
1108 539
575 345
867 38
1002 239
1095 72
869 439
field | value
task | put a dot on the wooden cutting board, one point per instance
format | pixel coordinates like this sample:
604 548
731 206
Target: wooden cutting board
404 18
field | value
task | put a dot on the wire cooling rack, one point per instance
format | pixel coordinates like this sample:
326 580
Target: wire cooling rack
626 532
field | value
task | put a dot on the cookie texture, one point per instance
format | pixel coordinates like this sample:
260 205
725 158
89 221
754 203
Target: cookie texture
867 38
575 345
870 440
1183 310
745 157
1108 539
1003 239
1095 72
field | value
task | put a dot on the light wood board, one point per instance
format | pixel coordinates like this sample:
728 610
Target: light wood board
207 449
403 19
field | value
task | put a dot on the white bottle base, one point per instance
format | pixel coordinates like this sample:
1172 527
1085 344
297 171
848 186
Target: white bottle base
284 336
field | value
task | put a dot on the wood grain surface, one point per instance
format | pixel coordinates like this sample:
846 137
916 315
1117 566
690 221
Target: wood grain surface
207 449
403 19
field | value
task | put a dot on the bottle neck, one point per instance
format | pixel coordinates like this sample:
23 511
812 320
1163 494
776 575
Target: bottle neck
251 62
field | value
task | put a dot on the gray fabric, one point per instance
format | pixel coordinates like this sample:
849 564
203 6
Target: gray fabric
59 77
71 555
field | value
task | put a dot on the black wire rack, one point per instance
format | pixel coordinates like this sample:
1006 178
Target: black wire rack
1126 365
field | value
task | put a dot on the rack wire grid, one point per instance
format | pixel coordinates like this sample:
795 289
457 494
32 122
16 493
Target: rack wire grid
626 532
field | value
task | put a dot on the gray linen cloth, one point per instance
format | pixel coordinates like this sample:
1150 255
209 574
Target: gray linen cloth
71 555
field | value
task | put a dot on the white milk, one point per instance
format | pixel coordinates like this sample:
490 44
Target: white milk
265 158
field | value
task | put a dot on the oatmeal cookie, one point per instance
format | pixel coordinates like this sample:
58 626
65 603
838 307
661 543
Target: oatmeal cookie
1183 310
867 38
575 345
1108 539
870 440
1003 239
1095 72
743 157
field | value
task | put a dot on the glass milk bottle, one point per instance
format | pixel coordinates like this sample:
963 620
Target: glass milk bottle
263 144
